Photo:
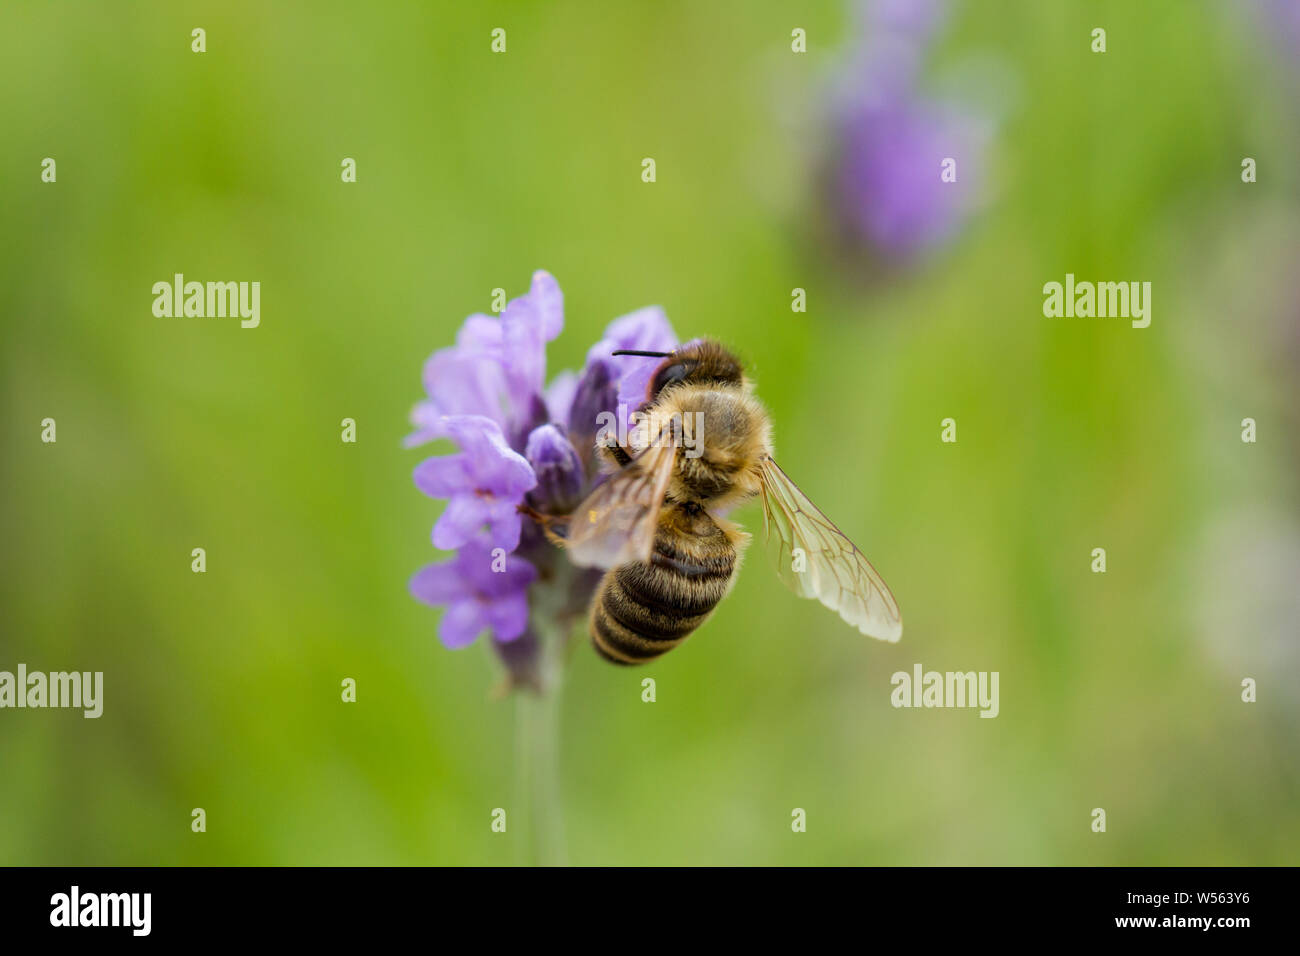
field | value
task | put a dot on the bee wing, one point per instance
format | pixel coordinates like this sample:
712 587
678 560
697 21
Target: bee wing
834 571
616 524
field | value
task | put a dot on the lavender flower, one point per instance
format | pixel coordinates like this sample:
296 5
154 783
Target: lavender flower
477 596
484 484
522 444
884 183
558 469
496 367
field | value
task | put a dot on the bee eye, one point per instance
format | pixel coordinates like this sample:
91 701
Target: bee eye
669 374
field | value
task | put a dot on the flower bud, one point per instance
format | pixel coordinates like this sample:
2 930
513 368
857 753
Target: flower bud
597 393
558 469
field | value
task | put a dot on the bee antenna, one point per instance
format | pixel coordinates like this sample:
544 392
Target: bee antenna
640 352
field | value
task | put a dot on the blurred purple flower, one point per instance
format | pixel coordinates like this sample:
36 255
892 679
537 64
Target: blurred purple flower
916 19
888 180
1280 19
891 140
521 442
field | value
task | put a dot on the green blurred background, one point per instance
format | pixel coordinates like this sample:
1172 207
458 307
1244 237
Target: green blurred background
222 690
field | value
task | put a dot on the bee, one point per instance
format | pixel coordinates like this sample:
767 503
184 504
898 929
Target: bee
656 525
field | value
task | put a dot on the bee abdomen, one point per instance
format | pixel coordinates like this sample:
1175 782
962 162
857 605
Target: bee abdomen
644 610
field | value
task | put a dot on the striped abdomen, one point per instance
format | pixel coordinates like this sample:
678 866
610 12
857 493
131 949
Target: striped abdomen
644 610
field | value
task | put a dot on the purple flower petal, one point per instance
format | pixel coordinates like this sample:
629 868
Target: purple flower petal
437 584
549 303
461 623
505 522
481 333
492 464
443 477
466 382
459 522
427 421
559 395
634 385
479 570
525 349
507 616
647 329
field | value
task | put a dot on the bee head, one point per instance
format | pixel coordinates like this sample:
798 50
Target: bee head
700 362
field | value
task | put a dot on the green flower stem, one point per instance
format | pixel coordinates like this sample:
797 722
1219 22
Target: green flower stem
537 752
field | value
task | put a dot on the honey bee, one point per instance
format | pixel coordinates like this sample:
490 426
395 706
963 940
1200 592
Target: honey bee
656 524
